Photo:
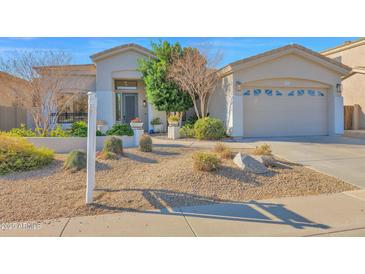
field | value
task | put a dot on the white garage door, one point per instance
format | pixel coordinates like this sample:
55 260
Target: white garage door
283 112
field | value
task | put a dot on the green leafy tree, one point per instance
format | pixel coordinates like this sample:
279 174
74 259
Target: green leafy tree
162 93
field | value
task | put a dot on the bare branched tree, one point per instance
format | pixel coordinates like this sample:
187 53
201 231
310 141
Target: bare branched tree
194 74
44 90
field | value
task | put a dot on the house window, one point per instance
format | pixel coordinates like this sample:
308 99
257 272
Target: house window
125 84
118 104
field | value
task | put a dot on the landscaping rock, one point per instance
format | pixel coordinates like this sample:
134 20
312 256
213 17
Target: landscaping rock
248 163
270 161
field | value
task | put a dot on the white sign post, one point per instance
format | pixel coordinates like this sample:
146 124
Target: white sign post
91 147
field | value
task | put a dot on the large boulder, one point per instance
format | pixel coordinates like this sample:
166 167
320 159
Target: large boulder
248 163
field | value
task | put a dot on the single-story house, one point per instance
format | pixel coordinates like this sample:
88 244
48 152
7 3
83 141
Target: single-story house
289 91
352 54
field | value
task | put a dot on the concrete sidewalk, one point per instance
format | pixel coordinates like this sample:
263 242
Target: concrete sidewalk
341 214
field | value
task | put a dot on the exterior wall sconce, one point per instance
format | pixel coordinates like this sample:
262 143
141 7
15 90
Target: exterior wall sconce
339 89
144 103
238 85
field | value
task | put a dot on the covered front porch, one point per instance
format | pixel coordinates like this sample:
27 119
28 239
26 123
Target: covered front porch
125 102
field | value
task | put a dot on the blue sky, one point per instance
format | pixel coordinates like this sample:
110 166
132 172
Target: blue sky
232 49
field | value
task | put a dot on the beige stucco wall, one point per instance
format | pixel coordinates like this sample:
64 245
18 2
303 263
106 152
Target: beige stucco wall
78 83
120 66
353 87
353 91
220 103
352 57
123 65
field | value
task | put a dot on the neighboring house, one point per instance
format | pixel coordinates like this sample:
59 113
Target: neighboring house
352 54
11 115
289 91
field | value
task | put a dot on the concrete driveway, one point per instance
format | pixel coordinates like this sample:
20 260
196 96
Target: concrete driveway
338 156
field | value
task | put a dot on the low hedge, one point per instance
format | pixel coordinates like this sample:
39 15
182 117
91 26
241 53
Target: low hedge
17 154
120 130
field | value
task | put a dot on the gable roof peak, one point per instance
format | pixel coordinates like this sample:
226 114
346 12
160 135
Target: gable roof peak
115 50
281 50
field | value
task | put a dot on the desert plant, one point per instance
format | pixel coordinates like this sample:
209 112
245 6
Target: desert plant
219 147
156 121
114 145
203 161
209 129
191 120
76 160
136 120
120 130
173 119
17 154
264 149
99 133
223 151
145 143
187 130
59 132
107 155
79 129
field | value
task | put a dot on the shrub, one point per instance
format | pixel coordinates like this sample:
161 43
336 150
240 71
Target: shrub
17 154
79 129
114 145
187 130
156 121
22 131
219 147
120 130
76 160
209 128
107 155
59 132
145 143
224 151
264 149
205 161
99 133
191 120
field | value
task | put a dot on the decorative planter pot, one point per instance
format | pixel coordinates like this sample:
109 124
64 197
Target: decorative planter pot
136 125
158 128
174 123
173 132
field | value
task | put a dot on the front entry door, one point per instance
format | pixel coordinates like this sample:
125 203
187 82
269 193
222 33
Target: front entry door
130 106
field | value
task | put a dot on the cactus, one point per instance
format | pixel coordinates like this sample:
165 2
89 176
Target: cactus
145 143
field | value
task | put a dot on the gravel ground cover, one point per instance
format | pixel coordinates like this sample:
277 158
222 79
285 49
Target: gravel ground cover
146 181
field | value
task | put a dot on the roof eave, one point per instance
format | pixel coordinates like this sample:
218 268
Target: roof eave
262 57
119 49
343 47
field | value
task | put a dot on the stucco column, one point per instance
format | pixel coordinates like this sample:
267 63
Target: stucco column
339 115
106 107
236 120
149 116
335 112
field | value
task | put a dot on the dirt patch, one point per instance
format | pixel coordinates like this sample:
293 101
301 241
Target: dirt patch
142 181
